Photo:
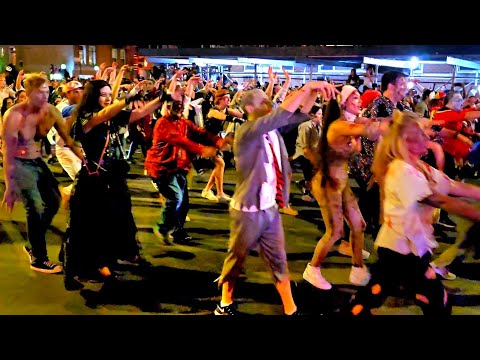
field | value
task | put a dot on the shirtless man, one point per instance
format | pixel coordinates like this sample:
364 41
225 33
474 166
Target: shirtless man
26 174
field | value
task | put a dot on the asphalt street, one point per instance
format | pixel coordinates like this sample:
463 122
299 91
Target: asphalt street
181 278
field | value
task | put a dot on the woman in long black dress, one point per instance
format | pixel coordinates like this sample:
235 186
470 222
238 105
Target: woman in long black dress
102 229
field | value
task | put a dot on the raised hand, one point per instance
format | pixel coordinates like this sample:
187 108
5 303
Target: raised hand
195 79
158 82
272 75
327 90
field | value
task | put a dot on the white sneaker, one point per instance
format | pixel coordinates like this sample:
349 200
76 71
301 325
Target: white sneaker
314 276
209 195
224 198
443 272
345 249
359 276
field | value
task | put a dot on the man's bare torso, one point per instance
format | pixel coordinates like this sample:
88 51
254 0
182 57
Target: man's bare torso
30 125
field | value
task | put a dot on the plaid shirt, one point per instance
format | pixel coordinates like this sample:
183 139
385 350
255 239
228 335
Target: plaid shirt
360 164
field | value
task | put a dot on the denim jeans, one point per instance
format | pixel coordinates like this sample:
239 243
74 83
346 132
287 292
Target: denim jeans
174 188
39 191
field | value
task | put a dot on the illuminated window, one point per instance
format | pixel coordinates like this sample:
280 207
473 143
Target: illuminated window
92 56
82 54
122 54
114 54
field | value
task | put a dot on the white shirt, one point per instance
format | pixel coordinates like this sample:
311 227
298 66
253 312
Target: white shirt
349 116
407 226
268 189
52 133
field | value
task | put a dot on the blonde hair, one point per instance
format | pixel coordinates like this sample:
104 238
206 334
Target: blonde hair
391 147
34 81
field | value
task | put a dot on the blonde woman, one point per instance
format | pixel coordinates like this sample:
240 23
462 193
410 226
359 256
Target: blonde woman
410 190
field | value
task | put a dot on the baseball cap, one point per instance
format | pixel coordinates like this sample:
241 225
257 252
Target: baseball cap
220 93
72 85
347 90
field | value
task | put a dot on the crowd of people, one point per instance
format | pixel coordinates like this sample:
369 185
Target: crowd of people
408 155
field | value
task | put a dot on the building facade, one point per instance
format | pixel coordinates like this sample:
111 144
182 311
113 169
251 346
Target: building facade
62 61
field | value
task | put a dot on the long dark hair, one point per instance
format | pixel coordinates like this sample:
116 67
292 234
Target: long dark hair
89 101
88 105
4 104
332 113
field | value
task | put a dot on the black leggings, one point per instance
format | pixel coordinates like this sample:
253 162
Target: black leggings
394 270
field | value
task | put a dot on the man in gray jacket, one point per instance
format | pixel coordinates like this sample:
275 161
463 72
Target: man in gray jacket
262 186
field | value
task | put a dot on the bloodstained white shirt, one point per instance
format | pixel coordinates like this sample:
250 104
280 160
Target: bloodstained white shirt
407 223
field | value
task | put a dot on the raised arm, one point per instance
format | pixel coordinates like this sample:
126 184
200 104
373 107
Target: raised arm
285 87
113 73
174 80
18 81
113 109
118 81
310 90
191 85
148 108
99 73
272 79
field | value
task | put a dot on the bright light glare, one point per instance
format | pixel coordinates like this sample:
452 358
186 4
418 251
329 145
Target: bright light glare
63 66
409 85
414 62
56 76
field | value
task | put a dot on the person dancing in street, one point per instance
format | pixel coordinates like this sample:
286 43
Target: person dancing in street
340 140
411 191
262 187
